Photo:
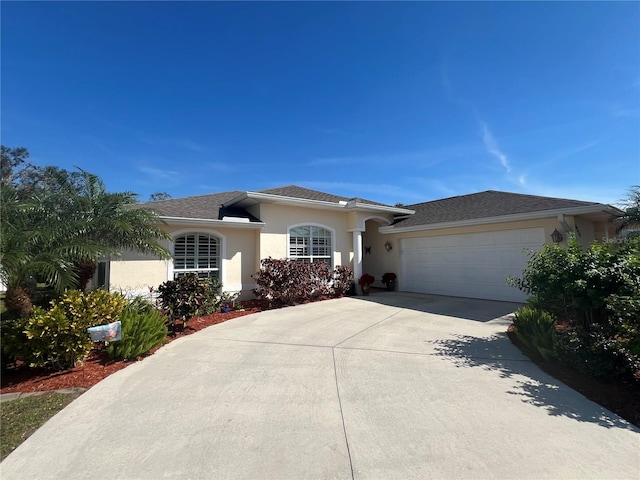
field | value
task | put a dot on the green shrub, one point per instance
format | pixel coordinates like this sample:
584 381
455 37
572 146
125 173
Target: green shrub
536 329
286 281
189 296
142 329
597 291
576 284
597 354
57 338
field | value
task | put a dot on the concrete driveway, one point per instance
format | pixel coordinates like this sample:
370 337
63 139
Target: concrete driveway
388 386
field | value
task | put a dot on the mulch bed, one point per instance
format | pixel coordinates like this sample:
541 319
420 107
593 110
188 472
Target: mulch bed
619 397
98 366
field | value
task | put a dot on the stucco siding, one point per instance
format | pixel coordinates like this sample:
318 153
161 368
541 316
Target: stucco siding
279 218
379 261
135 276
135 272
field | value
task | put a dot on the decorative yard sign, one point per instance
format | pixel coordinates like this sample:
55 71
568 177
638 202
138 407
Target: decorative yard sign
110 332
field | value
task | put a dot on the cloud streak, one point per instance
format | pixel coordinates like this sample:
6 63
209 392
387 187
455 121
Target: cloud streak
492 146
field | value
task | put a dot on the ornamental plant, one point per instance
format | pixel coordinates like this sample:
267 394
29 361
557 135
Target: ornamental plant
366 279
142 329
189 296
536 329
593 292
57 338
285 282
388 277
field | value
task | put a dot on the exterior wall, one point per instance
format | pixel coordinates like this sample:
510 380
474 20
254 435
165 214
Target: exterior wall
585 231
391 261
379 261
135 273
394 256
278 219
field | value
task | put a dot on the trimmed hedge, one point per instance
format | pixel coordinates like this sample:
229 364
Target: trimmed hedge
286 282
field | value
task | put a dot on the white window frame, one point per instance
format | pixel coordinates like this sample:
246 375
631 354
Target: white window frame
222 242
313 258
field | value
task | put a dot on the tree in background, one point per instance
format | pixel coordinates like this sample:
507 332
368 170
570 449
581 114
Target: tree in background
57 224
631 208
154 197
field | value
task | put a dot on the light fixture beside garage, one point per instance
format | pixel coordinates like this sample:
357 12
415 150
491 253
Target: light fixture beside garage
388 246
556 236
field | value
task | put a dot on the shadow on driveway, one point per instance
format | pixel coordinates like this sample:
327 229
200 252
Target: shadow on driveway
533 386
459 307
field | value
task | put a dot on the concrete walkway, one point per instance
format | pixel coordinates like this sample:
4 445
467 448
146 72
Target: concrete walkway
382 387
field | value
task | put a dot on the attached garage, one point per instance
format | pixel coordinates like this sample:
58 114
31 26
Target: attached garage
471 265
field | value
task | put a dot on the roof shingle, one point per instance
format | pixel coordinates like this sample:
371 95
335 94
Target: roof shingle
483 205
294 191
201 206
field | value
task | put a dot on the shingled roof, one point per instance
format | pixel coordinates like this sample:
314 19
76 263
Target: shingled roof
201 206
484 205
294 191
211 206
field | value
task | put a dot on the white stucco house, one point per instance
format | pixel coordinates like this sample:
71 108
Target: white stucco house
460 246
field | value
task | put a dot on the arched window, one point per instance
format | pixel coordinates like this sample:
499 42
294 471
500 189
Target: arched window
310 243
196 253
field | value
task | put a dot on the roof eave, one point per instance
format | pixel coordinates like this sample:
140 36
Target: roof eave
212 222
320 204
355 205
597 208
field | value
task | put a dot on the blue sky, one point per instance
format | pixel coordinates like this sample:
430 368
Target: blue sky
395 102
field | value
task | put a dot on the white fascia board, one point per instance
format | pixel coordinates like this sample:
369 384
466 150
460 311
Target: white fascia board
267 197
321 204
502 219
211 222
237 199
380 208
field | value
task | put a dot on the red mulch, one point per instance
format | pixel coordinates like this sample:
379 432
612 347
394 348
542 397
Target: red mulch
22 378
620 397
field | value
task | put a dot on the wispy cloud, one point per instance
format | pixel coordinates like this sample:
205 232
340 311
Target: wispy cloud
179 143
492 146
601 194
490 143
156 174
220 167
417 159
626 112
379 192
572 151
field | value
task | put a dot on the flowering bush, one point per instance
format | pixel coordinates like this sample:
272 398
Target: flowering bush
366 279
388 277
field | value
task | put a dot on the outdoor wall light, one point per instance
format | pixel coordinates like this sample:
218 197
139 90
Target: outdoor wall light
556 236
388 247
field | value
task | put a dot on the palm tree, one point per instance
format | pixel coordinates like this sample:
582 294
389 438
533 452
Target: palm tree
70 220
631 208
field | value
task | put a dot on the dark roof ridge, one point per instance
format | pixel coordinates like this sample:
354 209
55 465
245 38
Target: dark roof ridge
501 192
215 194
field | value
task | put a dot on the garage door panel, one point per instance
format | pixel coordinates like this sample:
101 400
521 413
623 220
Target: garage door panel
472 265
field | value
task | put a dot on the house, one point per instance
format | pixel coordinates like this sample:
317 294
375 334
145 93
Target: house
461 246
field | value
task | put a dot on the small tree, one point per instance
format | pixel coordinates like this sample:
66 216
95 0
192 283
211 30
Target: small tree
56 224
631 208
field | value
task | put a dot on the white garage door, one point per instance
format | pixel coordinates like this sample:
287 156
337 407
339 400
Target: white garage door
471 265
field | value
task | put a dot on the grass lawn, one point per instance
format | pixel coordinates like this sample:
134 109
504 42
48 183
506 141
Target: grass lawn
21 417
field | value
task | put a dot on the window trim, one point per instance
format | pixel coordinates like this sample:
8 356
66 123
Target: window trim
222 250
312 224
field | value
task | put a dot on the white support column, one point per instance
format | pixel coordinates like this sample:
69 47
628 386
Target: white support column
357 256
